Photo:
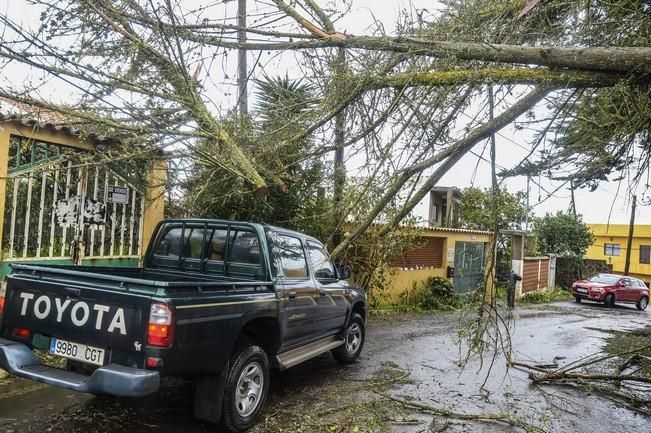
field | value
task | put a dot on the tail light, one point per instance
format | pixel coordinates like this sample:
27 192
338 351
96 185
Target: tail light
160 330
3 292
20 333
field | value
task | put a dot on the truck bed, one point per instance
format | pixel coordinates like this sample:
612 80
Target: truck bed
134 279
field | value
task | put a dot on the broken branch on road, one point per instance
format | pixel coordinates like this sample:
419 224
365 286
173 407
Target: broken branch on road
498 417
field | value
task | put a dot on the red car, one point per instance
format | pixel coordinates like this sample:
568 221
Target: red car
609 288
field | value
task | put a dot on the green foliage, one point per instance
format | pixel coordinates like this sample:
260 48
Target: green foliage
476 204
571 269
597 132
546 296
562 234
371 257
296 199
435 293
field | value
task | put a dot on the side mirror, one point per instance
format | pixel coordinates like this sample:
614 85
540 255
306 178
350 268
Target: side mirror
344 272
621 284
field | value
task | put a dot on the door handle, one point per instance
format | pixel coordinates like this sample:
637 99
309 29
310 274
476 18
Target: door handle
291 295
323 293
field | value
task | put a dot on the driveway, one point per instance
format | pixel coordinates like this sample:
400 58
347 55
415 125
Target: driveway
409 358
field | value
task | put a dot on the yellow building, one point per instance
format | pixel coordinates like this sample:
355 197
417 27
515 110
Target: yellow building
457 254
610 245
48 171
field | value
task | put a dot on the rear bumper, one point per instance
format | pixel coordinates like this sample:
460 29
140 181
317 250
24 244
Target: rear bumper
111 379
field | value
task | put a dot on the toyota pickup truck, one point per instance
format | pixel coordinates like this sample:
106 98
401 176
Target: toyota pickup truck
220 302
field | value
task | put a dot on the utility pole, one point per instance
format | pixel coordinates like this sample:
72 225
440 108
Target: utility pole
526 215
490 278
573 202
339 166
242 72
629 244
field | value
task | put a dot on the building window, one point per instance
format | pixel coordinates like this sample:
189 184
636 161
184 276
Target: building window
645 254
611 249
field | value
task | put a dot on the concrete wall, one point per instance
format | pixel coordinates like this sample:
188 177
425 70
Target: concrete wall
618 234
403 279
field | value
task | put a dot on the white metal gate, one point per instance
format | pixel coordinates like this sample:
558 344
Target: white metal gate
42 174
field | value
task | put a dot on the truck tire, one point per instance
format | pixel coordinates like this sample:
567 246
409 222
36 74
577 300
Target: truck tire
354 338
247 386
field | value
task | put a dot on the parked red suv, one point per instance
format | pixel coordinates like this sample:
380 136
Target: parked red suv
609 288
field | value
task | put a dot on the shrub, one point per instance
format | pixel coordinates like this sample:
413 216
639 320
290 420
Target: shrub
544 297
435 293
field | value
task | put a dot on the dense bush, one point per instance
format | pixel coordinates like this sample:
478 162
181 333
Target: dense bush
435 293
546 296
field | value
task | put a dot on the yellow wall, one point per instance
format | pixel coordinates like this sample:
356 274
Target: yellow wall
157 176
402 280
618 234
155 201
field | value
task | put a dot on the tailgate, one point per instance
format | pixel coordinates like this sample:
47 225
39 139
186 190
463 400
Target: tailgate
106 317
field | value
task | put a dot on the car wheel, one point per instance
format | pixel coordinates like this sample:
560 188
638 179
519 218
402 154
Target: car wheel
609 300
247 386
642 303
353 341
577 299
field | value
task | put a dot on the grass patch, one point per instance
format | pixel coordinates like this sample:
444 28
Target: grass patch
546 296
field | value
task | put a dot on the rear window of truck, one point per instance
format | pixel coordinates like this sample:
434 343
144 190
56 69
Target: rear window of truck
227 251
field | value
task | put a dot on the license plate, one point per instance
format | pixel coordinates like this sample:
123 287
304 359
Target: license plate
77 351
581 290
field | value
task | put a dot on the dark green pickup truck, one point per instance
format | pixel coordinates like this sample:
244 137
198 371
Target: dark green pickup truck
222 302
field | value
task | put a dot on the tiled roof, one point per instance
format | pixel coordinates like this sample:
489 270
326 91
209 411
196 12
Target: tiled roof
454 230
447 229
35 117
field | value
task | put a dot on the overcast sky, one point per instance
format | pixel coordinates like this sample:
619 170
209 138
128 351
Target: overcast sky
512 145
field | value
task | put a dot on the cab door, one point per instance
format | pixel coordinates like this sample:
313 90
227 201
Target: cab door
634 290
623 290
296 290
332 305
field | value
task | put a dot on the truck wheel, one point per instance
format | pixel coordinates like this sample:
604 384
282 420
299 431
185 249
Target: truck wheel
609 300
247 386
642 303
353 341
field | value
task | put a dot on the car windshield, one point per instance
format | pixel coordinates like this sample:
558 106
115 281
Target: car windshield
604 279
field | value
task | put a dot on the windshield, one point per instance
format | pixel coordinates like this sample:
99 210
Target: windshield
604 279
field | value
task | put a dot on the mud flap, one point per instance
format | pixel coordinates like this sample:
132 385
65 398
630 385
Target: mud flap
209 396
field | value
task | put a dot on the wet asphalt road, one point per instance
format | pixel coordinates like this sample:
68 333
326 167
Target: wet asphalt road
322 395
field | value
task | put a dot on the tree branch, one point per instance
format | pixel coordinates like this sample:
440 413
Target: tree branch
452 154
602 59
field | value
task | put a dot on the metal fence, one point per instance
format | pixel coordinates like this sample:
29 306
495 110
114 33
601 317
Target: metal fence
44 180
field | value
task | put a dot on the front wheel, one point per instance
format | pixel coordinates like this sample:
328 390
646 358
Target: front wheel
577 299
609 300
247 386
353 341
642 303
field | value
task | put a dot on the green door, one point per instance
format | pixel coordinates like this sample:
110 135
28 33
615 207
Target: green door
468 266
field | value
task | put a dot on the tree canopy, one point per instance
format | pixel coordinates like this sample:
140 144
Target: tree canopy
562 234
412 103
476 204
